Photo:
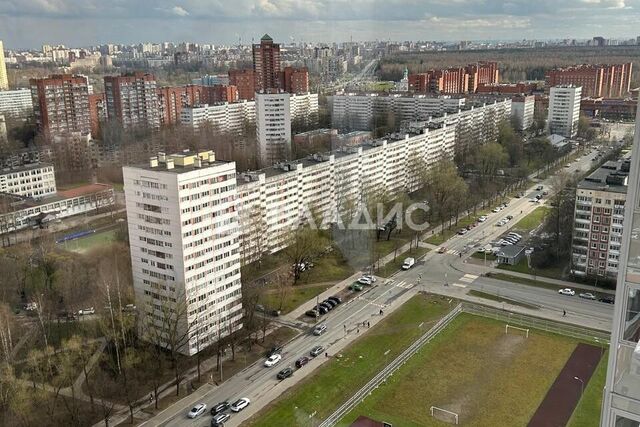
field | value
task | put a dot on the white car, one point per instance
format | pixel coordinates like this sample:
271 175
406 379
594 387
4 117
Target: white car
567 291
197 410
240 404
371 278
364 280
272 360
587 295
482 218
86 311
496 210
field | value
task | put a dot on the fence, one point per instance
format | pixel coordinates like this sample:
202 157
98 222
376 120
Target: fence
475 309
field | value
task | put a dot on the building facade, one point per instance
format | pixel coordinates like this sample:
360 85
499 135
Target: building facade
267 65
34 180
522 109
607 80
132 99
4 81
621 401
295 80
564 110
598 220
16 103
184 244
245 82
61 104
273 127
455 79
226 117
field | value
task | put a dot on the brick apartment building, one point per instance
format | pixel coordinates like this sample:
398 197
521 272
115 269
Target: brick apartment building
507 88
266 64
455 79
97 112
173 99
597 80
295 80
61 104
244 81
132 99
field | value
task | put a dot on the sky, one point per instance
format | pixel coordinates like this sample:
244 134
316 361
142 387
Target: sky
31 23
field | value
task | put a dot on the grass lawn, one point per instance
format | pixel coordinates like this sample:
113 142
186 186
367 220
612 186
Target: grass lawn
474 369
89 242
523 267
338 379
498 298
489 257
438 239
587 413
533 220
524 281
293 296
391 267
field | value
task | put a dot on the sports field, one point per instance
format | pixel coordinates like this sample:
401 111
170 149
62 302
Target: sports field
89 242
474 369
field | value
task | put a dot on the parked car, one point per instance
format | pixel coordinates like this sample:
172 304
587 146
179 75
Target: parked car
496 210
220 408
587 295
371 277
462 231
285 373
275 350
509 217
329 307
355 287
483 218
86 311
197 410
272 360
567 291
514 234
320 329
408 263
442 250
302 361
332 303
316 351
364 280
240 404
324 310
312 313
607 300
219 420
539 188
336 299
260 308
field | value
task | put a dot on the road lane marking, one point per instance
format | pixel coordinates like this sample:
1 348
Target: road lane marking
459 285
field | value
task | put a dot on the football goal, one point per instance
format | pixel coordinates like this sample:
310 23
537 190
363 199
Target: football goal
525 330
444 415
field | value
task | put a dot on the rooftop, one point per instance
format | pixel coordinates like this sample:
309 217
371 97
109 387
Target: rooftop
24 167
186 161
611 176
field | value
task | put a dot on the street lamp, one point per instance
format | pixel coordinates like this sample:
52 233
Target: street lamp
581 385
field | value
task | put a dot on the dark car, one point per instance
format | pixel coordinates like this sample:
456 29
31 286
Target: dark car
274 350
220 408
332 303
285 373
317 350
302 361
327 306
336 299
312 313
219 420
322 309
607 300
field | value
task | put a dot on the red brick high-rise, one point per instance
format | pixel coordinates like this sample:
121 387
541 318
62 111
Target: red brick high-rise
244 81
132 99
61 104
484 72
610 80
266 64
97 112
295 80
455 79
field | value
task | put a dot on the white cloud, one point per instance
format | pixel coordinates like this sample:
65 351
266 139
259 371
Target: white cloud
177 10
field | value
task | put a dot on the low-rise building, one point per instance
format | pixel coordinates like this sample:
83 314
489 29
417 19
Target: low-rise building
598 221
522 109
34 180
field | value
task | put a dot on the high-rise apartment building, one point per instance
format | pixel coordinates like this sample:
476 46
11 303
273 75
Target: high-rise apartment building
455 79
97 112
609 81
564 110
481 73
61 104
522 109
17 103
266 65
184 245
132 99
621 402
4 81
598 220
273 127
295 80
245 82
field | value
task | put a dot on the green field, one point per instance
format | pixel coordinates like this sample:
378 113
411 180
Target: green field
474 369
498 298
338 379
89 242
523 267
533 220
293 297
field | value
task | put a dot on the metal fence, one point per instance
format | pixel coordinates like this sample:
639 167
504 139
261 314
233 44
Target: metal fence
578 332
390 369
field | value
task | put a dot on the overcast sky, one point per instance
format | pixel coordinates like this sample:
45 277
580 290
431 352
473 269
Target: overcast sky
30 23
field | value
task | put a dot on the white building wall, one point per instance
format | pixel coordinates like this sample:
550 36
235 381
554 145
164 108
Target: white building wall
564 110
29 181
16 102
273 127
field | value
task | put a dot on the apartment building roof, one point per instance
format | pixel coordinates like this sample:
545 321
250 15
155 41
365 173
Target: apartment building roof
186 161
612 176
24 167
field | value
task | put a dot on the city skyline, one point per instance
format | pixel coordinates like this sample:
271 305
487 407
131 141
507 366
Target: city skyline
88 22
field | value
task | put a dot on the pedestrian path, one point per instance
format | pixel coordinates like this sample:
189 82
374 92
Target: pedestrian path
467 279
404 285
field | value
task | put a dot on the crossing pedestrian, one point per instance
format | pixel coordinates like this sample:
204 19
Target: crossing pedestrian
564 313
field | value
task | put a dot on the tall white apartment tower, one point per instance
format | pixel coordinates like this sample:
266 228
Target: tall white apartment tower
273 127
621 404
564 110
4 82
184 243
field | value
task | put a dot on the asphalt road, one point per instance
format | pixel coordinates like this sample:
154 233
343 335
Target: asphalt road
260 384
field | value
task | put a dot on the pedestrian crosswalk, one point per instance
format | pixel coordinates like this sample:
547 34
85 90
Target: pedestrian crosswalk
453 252
405 285
467 279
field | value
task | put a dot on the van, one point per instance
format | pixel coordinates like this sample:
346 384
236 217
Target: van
408 263
320 329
